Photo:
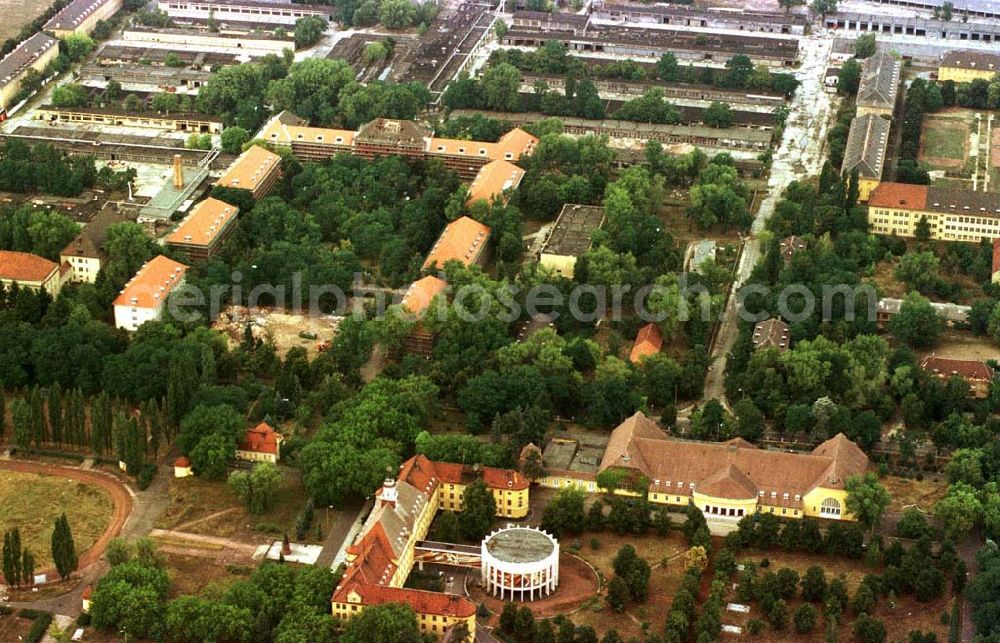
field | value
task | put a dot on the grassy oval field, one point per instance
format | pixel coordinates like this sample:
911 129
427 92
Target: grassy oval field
32 502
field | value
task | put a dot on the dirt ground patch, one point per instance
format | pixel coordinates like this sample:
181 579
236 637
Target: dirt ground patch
192 574
960 345
13 628
899 619
663 582
16 14
944 140
907 492
283 328
32 502
210 508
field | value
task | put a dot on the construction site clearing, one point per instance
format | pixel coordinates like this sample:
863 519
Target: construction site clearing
286 330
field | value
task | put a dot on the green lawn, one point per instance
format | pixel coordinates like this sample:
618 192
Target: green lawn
945 141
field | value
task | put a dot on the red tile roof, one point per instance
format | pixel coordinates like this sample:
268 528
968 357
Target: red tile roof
25 267
970 369
260 439
182 462
207 220
464 240
517 143
681 466
504 479
899 196
996 253
421 293
493 179
151 285
648 342
422 601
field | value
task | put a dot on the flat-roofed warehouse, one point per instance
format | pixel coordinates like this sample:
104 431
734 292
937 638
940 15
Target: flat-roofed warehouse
653 43
865 152
970 8
712 138
767 22
170 121
285 13
203 60
909 25
259 43
879 85
671 91
81 16
570 237
144 75
34 53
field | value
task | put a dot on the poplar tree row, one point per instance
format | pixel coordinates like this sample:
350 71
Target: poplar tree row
18 562
60 420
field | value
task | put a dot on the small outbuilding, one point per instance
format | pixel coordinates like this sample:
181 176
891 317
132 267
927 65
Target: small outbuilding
182 467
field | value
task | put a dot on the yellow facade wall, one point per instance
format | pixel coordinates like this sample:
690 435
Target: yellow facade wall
962 75
812 503
878 111
961 225
436 625
511 503
865 187
559 264
12 88
724 507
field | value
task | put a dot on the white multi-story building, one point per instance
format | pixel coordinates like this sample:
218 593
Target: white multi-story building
144 296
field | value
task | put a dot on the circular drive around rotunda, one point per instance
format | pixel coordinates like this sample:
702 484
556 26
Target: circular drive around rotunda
520 563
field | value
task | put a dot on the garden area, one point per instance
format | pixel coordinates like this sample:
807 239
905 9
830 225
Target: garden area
944 141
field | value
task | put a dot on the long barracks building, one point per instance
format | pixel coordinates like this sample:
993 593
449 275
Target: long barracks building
952 215
725 480
384 137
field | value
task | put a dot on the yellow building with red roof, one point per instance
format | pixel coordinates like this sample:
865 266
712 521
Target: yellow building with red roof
380 561
30 271
260 444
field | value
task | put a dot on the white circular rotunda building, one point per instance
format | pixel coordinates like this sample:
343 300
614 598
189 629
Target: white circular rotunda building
520 563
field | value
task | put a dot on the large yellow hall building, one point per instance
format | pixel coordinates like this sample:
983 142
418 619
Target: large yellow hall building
725 480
